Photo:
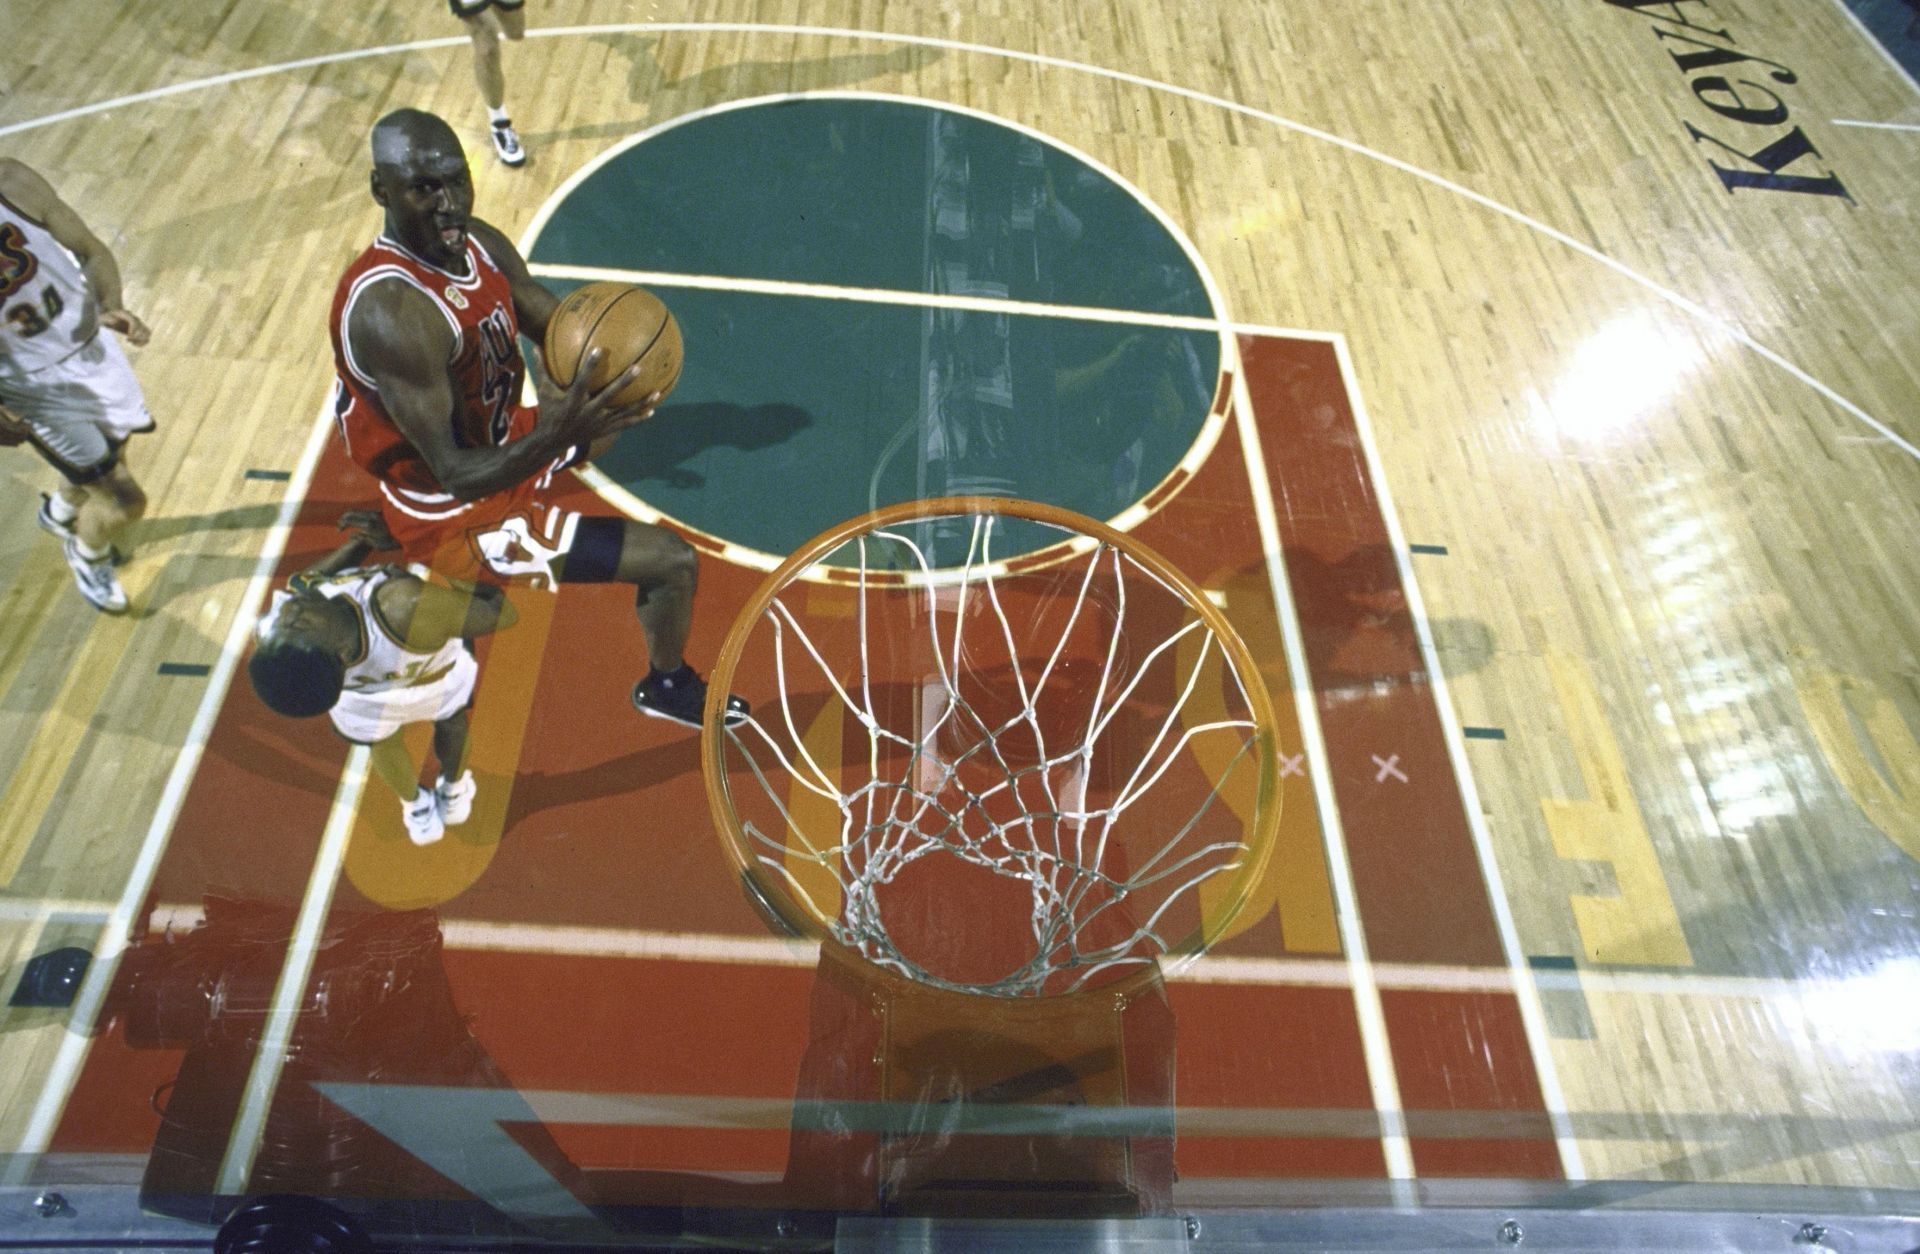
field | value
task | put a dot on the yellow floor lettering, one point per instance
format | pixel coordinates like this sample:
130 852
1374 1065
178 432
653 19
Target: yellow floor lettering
1640 925
1890 804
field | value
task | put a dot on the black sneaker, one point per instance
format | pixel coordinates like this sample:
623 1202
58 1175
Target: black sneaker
681 697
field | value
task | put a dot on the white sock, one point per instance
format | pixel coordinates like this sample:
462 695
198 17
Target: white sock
61 509
498 116
90 553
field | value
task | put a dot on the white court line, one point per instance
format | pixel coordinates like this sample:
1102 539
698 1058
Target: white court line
270 1056
599 942
222 80
1878 126
64 1071
875 296
1878 47
1526 995
916 300
40 909
487 936
1376 1046
1691 307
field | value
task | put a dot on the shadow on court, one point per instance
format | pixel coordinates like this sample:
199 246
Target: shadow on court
661 450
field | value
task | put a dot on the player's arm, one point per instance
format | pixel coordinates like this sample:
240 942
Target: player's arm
369 526
35 197
349 554
403 343
427 615
12 430
400 340
533 304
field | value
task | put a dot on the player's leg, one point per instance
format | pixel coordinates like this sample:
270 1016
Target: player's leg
450 744
395 766
81 452
455 788
486 27
80 413
513 19
483 31
58 508
663 569
451 695
418 808
109 505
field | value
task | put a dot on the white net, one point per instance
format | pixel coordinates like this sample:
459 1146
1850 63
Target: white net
994 778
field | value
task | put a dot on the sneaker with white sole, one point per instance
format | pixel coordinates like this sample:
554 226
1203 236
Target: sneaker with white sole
50 524
681 697
53 526
424 825
454 800
506 144
97 581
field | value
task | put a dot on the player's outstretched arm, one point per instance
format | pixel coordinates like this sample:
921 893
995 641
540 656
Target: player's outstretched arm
352 553
35 197
369 526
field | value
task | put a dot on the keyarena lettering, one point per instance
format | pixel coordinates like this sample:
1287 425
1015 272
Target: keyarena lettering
1760 164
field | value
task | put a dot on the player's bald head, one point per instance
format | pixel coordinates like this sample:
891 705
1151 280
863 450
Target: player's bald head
405 135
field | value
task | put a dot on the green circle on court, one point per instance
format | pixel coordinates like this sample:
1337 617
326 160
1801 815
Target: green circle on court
903 370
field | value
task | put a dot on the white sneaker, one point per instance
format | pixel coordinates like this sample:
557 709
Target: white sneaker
423 818
97 581
454 801
506 144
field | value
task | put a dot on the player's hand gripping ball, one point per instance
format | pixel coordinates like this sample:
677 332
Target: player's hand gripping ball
630 326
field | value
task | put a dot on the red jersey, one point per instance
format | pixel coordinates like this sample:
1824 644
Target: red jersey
486 370
485 367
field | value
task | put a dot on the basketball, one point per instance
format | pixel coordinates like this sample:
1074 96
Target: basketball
629 324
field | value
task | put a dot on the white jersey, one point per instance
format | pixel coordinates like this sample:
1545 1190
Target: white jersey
47 311
385 663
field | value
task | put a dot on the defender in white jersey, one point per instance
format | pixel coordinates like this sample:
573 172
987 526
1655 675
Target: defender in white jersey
65 386
376 649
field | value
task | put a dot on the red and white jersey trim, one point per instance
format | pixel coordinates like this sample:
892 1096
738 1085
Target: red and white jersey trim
439 506
426 506
353 294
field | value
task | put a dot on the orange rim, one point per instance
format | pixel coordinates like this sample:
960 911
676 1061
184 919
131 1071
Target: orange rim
1266 820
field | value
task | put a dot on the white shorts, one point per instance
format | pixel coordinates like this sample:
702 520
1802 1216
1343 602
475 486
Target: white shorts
370 717
81 408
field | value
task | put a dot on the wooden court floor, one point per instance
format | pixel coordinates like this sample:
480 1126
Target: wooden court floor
1624 298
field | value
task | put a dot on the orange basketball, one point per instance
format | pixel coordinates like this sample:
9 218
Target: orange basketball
629 324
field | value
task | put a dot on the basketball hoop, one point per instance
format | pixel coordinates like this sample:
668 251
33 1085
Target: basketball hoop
1021 777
